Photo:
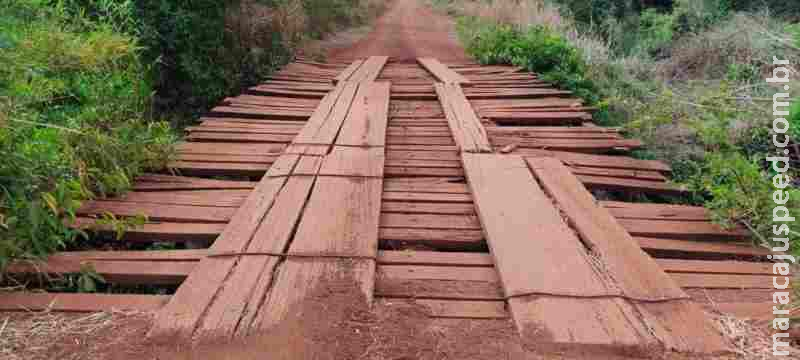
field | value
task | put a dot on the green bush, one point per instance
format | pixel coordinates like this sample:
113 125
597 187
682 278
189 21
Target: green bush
794 121
196 59
537 49
73 92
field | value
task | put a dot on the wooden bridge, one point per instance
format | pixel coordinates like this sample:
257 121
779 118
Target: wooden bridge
465 188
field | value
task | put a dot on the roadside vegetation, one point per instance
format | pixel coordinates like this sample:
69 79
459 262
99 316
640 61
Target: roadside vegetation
687 77
95 92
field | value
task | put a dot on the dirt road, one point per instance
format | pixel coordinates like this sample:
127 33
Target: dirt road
407 30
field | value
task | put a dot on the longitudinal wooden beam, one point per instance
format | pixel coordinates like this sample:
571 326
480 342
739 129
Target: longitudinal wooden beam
348 71
340 218
207 285
441 72
466 127
678 323
543 265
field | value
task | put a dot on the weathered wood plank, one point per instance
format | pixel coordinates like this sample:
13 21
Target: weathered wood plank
466 127
366 124
441 72
434 258
25 301
603 234
534 250
620 253
185 309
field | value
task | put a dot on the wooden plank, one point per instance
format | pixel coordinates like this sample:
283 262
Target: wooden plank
158 212
26 301
328 116
692 230
436 238
405 171
427 197
341 216
682 326
211 198
722 281
620 253
156 232
228 148
430 221
604 235
747 310
154 182
249 282
441 72
368 118
252 159
590 160
428 185
715 267
348 71
626 210
699 247
467 129
630 185
434 258
460 309
354 161
298 280
437 289
370 70
421 272
597 326
113 271
132 255
534 250
443 208
182 314
218 168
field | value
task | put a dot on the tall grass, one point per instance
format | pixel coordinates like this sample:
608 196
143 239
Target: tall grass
73 94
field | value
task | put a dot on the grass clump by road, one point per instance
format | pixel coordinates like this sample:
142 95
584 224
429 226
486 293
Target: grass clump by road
94 92
686 77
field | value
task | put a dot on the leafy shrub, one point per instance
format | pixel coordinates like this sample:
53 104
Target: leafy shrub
73 92
794 121
537 49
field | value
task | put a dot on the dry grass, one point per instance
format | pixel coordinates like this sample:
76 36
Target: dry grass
745 39
517 12
53 335
750 340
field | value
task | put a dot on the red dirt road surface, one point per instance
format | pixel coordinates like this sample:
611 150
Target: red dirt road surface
407 30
